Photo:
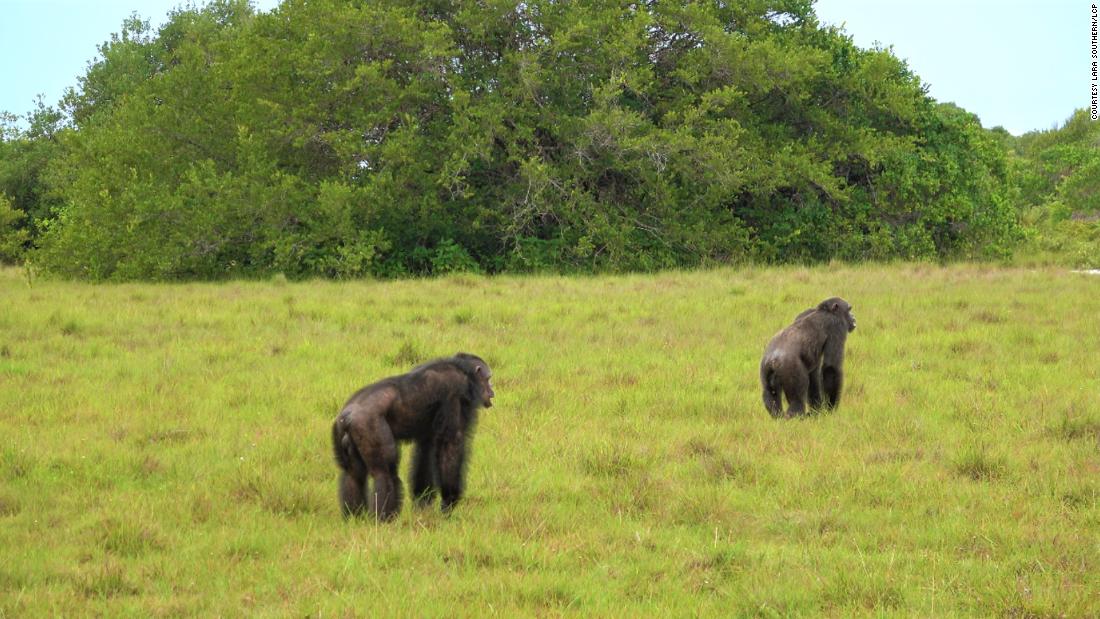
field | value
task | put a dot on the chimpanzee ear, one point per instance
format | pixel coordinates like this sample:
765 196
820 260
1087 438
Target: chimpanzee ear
479 370
835 306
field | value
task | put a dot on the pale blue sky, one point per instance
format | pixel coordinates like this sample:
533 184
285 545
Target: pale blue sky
1021 64
45 45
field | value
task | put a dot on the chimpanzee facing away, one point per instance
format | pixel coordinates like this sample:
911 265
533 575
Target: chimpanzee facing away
435 405
807 358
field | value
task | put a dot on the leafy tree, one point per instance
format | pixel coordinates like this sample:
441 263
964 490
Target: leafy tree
128 59
344 138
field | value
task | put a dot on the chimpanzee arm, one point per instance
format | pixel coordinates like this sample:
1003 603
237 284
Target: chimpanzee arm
814 391
450 453
832 369
423 481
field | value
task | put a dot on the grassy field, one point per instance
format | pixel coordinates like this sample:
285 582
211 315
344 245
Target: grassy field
166 448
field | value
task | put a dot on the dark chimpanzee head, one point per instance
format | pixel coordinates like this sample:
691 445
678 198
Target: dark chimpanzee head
840 308
483 375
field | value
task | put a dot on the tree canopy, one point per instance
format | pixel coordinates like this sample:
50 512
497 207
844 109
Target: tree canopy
345 138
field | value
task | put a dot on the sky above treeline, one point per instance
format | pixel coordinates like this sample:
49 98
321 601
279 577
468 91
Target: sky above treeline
1020 64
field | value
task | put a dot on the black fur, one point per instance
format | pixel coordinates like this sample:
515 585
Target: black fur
805 361
435 405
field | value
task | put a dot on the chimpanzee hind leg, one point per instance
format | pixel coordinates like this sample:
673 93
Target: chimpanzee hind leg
772 400
385 501
352 501
353 472
378 449
796 383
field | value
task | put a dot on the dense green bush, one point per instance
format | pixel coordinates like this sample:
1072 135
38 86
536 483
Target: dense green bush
26 205
12 235
1055 175
344 138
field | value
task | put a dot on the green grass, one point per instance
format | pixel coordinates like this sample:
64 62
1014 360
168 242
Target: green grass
166 448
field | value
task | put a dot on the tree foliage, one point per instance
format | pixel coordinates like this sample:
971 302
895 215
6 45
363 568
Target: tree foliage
25 201
345 138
